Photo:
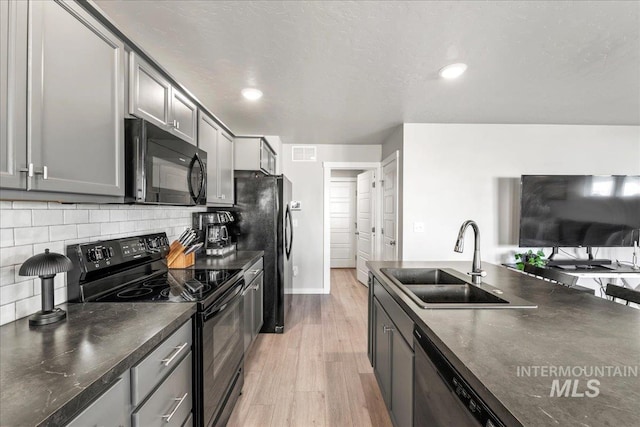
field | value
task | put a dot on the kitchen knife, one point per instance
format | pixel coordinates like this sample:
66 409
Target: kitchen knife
193 248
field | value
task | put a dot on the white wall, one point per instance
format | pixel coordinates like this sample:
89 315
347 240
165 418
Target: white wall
454 172
28 228
308 183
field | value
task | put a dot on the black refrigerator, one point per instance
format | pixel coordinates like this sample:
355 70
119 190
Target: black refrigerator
263 223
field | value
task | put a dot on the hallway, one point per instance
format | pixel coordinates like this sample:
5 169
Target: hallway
317 373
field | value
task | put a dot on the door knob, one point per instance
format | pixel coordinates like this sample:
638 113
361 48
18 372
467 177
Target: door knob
392 243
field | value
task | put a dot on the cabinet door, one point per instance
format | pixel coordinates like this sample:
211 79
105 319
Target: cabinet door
401 381
264 156
13 93
77 102
258 301
111 408
149 92
247 309
225 168
184 115
382 350
208 131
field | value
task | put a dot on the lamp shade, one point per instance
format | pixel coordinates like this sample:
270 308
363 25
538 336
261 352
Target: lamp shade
45 264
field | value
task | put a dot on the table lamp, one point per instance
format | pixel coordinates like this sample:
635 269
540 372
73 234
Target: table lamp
46 266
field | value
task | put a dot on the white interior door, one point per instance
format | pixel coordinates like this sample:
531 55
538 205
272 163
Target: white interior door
365 221
343 223
390 210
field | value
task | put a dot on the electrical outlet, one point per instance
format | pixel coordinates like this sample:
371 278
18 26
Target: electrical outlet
418 227
295 223
295 270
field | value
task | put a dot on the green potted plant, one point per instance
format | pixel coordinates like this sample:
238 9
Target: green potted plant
536 259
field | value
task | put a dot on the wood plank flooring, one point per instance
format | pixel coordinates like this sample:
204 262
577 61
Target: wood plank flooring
317 372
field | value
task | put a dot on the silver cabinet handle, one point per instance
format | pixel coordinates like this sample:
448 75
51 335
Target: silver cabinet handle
44 173
386 329
222 196
172 413
28 170
175 354
254 272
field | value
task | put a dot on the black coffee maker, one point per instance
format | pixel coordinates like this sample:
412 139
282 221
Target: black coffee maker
213 232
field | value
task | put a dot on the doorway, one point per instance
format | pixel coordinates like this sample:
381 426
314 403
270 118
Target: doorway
345 243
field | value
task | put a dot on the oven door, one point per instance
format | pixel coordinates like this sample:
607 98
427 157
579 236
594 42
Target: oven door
175 176
222 350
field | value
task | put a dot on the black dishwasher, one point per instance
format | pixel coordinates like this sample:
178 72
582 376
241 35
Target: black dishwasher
441 397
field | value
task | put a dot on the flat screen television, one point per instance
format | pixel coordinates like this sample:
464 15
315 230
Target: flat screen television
579 210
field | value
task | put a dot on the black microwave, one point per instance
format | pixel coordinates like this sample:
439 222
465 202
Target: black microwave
161 168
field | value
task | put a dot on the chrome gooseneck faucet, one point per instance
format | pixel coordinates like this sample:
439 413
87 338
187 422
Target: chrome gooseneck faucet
476 272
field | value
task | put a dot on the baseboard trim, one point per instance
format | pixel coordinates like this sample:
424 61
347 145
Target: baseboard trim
306 291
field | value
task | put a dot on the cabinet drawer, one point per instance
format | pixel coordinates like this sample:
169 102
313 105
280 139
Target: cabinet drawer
112 405
153 368
171 403
402 321
253 271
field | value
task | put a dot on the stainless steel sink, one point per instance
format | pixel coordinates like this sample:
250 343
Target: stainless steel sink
445 288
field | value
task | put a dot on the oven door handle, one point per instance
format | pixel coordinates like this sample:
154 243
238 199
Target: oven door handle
220 307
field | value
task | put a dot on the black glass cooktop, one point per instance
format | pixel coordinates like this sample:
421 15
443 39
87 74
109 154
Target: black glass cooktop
172 286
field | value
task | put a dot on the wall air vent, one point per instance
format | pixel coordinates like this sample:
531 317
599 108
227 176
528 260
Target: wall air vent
303 153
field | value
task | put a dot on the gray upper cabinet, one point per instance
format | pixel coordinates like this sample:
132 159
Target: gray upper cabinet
149 92
13 93
219 147
184 116
153 98
76 92
225 167
254 153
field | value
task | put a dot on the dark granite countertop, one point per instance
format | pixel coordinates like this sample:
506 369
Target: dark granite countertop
568 329
49 373
236 260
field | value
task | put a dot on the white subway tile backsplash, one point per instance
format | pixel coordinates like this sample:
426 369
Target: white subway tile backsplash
29 228
7 313
63 232
66 206
6 237
27 306
6 275
57 247
117 215
15 255
15 292
47 217
15 218
109 228
30 205
88 230
26 235
76 216
99 216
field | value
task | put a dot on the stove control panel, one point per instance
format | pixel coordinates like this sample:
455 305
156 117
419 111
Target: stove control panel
94 256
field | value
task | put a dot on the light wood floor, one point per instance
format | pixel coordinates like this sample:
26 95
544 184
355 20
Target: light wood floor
317 373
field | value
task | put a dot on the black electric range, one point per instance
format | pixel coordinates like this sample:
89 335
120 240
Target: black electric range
134 269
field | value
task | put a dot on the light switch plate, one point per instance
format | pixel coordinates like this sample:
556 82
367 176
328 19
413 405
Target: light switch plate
294 222
295 270
418 227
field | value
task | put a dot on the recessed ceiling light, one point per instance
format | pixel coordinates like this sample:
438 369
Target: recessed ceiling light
251 93
453 71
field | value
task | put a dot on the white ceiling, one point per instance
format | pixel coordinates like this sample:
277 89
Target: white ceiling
347 72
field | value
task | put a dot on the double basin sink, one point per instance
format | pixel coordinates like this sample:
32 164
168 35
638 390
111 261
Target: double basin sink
443 288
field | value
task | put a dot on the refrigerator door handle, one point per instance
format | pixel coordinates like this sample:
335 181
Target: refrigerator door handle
288 237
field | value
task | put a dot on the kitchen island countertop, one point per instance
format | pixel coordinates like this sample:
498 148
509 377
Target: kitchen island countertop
48 374
508 355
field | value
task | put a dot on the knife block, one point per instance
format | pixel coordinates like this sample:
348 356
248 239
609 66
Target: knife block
182 260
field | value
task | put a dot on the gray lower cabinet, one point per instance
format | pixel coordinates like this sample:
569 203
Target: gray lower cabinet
219 147
253 302
157 391
392 358
111 408
76 97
